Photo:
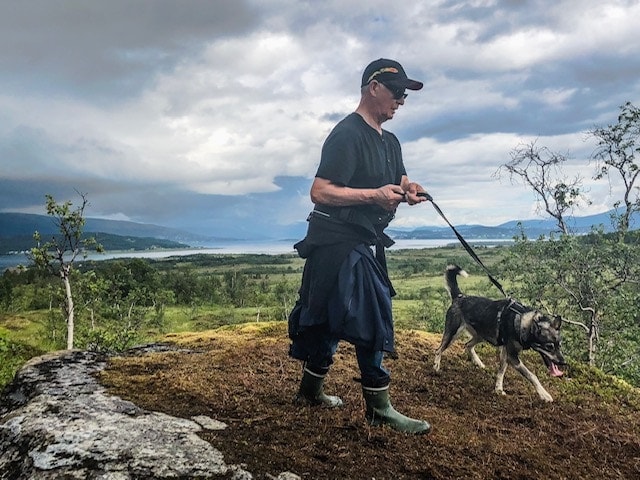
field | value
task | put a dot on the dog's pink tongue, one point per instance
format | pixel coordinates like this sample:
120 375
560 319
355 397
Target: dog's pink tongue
554 371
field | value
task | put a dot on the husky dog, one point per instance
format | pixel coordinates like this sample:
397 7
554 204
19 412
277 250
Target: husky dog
505 324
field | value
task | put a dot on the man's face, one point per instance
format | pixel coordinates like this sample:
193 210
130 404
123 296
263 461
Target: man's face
389 99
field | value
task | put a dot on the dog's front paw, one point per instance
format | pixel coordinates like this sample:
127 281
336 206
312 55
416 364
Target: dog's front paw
500 391
546 397
436 363
543 394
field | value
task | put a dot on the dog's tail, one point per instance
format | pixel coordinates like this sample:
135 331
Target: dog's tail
451 280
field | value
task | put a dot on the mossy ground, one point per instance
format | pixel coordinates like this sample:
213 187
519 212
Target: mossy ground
243 377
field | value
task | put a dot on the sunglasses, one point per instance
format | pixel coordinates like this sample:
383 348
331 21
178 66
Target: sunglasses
398 93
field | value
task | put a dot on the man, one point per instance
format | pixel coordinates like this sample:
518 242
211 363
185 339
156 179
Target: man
345 292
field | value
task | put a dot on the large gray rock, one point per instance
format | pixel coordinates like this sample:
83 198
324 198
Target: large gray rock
57 421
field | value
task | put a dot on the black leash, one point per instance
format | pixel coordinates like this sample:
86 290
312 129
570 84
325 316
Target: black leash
464 243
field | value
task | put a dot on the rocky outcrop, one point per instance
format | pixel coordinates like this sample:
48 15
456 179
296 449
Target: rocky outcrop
57 421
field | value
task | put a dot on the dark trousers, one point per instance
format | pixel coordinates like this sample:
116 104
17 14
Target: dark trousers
316 346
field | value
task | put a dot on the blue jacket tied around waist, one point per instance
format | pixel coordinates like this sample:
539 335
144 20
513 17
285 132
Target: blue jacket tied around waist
343 286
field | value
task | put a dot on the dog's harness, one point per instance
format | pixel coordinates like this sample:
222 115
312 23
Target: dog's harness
503 326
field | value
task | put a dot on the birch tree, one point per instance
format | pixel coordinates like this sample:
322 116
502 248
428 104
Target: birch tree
616 160
58 254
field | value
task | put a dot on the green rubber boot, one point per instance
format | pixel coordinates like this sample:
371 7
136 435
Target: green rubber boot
311 392
380 412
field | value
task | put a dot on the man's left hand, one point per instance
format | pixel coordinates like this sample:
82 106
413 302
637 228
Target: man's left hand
416 194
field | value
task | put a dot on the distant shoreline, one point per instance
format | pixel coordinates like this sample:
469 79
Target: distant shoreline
239 248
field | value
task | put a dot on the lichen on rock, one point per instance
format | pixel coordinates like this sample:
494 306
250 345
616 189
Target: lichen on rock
57 421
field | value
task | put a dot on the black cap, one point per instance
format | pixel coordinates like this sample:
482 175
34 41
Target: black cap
389 71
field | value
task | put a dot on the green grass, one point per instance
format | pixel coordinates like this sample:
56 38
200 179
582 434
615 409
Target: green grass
417 276
26 327
15 350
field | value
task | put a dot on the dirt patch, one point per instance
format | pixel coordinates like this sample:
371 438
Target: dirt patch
243 377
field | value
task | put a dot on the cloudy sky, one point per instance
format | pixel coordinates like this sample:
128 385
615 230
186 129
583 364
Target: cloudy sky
209 115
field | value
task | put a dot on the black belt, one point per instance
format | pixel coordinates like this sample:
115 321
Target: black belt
371 221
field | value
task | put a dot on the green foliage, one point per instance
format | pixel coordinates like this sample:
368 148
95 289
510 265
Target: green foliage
591 283
610 389
108 340
62 249
13 354
126 301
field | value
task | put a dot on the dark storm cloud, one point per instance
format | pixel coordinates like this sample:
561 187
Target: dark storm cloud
109 47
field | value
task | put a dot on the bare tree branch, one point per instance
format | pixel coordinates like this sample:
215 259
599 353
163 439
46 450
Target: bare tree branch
541 169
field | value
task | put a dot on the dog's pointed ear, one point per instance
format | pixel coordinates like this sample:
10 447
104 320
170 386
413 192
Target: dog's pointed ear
556 322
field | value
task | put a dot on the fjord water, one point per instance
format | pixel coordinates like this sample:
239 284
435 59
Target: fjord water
267 248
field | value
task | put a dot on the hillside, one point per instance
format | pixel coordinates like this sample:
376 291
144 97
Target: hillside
110 242
243 377
16 233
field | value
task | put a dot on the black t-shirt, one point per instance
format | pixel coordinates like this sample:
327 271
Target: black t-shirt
355 155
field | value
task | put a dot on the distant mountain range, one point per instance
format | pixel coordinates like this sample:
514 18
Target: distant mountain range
12 224
507 230
17 229
16 232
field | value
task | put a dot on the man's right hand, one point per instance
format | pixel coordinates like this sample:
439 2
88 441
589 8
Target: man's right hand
389 197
